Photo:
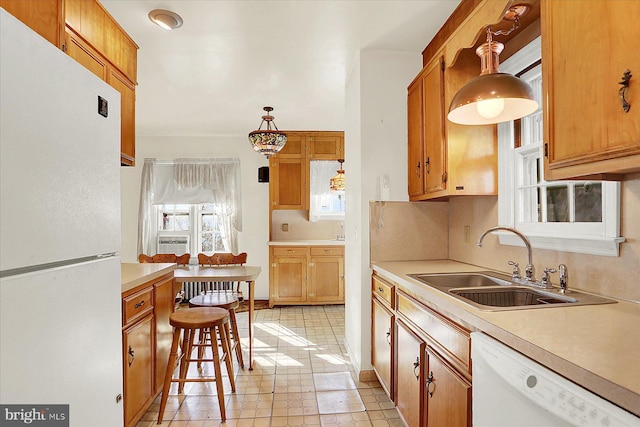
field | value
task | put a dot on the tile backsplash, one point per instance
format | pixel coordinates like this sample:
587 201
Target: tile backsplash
300 228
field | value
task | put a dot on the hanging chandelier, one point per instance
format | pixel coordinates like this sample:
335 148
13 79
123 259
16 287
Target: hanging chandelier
337 182
493 97
268 141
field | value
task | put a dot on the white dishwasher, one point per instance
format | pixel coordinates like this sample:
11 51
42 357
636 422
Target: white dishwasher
511 390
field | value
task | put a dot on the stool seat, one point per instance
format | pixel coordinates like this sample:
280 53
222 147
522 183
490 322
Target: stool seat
197 318
216 299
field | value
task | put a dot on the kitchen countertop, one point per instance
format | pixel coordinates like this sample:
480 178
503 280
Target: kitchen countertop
135 274
597 346
306 243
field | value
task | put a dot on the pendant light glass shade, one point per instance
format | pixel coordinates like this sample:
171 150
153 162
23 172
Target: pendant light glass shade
337 182
268 141
493 97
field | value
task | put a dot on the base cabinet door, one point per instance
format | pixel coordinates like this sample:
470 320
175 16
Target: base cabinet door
289 279
448 395
138 368
164 303
409 383
327 278
382 344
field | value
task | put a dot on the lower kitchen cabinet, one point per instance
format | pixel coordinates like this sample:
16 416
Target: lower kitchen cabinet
137 343
146 343
306 275
430 366
409 374
382 344
447 393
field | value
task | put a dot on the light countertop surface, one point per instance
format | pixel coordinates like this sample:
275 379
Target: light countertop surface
306 243
597 346
135 274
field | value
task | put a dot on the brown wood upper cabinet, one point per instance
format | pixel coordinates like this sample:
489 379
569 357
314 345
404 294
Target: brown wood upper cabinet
586 48
42 16
289 169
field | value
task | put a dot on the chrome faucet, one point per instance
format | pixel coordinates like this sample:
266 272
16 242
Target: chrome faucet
564 279
529 269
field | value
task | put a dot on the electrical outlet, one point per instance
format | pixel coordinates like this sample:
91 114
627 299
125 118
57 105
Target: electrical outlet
285 226
467 234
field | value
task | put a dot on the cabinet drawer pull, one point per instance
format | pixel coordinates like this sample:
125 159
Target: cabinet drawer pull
418 170
138 305
389 336
290 251
623 90
380 289
429 383
131 356
416 364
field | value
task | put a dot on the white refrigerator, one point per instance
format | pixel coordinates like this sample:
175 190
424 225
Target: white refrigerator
60 303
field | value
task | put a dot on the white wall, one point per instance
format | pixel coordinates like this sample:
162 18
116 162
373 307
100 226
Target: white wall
375 144
255 196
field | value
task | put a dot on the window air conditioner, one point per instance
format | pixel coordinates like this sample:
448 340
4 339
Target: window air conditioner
173 245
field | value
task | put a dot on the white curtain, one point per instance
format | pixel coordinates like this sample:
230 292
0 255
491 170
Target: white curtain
192 181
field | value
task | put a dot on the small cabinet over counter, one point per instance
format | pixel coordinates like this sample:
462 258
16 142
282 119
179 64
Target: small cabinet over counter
148 292
305 274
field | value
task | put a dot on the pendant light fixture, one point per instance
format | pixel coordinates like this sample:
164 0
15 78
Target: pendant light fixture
493 97
268 141
337 182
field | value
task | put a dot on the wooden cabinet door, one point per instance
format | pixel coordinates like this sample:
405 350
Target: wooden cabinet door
42 16
138 368
82 53
381 344
290 277
295 147
127 115
448 395
586 48
325 147
409 374
415 116
288 183
327 279
163 306
435 165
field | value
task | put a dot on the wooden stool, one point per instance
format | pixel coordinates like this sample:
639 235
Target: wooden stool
230 302
213 319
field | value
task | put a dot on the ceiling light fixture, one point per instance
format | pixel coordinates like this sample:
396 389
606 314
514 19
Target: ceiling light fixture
493 97
337 182
268 141
165 19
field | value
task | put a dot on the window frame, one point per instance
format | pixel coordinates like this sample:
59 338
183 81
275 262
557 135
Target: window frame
582 238
194 233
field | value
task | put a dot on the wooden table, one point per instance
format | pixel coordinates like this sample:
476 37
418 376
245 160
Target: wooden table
225 274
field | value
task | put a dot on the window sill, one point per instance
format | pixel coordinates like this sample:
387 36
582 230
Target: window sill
605 246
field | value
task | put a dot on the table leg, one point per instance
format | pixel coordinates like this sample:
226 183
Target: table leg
251 307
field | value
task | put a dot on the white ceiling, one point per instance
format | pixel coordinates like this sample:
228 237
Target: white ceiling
213 75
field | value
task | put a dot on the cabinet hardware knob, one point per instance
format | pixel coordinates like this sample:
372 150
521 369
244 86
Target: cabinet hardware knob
418 170
426 165
131 355
429 383
380 289
389 336
416 364
626 76
138 305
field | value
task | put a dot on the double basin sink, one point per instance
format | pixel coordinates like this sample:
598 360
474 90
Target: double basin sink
492 291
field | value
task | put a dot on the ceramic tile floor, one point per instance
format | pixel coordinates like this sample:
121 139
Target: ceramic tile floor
302 376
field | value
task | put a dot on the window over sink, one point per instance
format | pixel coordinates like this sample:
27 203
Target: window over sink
571 216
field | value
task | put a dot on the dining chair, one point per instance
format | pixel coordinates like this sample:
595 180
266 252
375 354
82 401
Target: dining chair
224 259
167 258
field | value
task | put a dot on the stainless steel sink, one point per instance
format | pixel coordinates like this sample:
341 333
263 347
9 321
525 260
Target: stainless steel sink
463 280
491 291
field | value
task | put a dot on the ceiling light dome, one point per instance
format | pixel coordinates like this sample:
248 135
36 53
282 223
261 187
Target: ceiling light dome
165 19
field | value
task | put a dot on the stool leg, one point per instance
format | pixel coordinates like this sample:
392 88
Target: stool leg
236 337
171 364
187 349
226 349
218 372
